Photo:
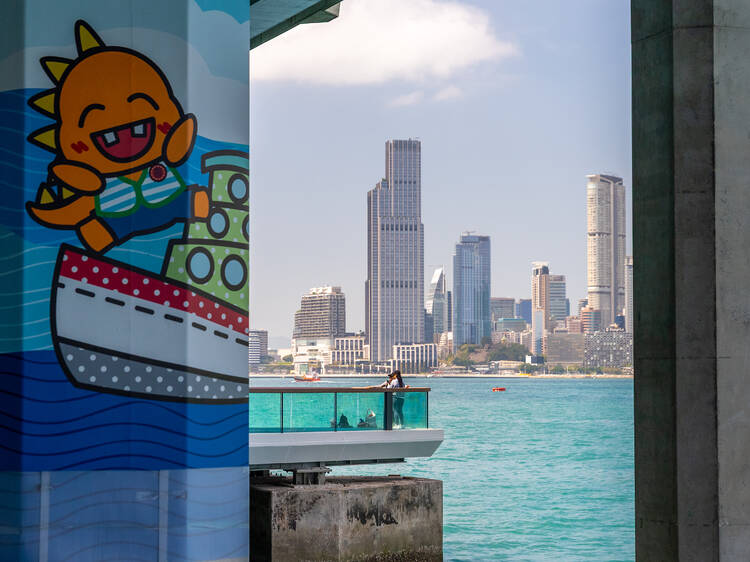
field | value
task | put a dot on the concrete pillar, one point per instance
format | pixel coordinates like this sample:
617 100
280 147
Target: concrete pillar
123 280
375 518
691 194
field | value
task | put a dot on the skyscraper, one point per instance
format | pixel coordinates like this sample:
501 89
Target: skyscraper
559 307
629 294
502 307
394 291
436 304
606 245
582 303
523 310
540 311
471 290
322 314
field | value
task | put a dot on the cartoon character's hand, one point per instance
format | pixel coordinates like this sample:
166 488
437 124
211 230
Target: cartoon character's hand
78 177
180 140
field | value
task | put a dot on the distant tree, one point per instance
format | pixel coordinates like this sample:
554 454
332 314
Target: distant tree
288 358
507 352
558 369
486 341
462 361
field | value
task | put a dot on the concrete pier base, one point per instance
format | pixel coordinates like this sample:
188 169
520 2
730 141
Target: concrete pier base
348 518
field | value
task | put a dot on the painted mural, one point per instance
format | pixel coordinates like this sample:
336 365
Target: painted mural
124 246
123 280
118 140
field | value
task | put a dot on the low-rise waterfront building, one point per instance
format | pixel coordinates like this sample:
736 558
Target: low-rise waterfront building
608 349
414 357
564 349
311 354
350 350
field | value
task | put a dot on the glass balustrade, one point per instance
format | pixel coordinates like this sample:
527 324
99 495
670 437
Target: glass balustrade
284 410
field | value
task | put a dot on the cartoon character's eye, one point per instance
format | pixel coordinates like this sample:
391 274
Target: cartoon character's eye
86 110
142 96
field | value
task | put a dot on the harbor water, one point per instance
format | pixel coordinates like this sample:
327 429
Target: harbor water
540 472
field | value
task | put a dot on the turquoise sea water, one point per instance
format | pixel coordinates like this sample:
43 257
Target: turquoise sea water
542 471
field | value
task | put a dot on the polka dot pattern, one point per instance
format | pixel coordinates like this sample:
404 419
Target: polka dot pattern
129 375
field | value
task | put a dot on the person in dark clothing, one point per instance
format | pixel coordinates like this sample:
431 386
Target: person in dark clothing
395 381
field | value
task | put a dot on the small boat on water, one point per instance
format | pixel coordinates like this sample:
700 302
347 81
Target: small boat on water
308 377
498 389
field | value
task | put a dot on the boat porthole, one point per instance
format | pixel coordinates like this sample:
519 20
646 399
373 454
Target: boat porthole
246 228
200 265
238 188
218 223
233 272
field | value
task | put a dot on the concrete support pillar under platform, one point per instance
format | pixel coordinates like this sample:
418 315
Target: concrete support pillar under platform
348 518
691 194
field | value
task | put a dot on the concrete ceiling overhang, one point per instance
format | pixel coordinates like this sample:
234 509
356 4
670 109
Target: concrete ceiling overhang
271 18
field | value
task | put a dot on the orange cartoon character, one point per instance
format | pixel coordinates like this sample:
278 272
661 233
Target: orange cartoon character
118 139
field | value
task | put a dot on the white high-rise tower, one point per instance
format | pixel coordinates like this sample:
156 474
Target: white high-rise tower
394 292
605 199
629 294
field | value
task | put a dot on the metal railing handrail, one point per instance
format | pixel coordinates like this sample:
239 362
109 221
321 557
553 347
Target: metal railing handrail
329 389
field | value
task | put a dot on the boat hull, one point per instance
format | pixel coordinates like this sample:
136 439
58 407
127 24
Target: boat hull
123 330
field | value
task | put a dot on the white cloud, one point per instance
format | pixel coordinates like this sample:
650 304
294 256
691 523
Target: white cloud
376 41
448 93
407 99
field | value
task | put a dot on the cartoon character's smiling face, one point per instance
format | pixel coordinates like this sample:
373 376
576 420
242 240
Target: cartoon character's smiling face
115 110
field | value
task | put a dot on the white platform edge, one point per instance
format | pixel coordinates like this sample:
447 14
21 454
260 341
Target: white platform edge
342 446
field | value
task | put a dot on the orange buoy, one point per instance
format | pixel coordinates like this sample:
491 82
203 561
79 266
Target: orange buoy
498 389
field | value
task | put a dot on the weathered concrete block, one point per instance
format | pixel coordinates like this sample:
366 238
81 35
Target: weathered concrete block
347 518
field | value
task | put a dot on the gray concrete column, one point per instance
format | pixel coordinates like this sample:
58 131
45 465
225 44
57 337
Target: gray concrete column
691 194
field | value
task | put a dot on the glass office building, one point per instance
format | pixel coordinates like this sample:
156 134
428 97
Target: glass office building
471 290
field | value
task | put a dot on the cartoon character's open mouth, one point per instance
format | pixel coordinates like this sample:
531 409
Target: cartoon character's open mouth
127 142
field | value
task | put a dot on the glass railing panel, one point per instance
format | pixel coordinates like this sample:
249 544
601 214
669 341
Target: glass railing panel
265 413
360 410
309 412
409 410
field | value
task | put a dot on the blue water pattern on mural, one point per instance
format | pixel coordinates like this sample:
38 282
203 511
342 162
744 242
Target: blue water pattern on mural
56 425
53 425
76 516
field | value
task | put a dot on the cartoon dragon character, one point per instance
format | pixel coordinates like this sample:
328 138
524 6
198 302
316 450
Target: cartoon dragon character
118 140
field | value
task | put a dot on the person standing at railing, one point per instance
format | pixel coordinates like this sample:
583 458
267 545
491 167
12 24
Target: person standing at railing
395 381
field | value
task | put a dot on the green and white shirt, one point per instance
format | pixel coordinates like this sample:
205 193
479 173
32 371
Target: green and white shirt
123 196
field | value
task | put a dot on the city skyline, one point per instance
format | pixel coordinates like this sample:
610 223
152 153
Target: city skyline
493 127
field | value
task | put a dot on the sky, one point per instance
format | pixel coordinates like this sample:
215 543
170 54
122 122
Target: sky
514 102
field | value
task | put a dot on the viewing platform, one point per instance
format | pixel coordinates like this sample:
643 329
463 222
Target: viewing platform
307 429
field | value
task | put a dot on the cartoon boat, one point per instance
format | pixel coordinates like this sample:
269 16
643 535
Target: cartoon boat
180 335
